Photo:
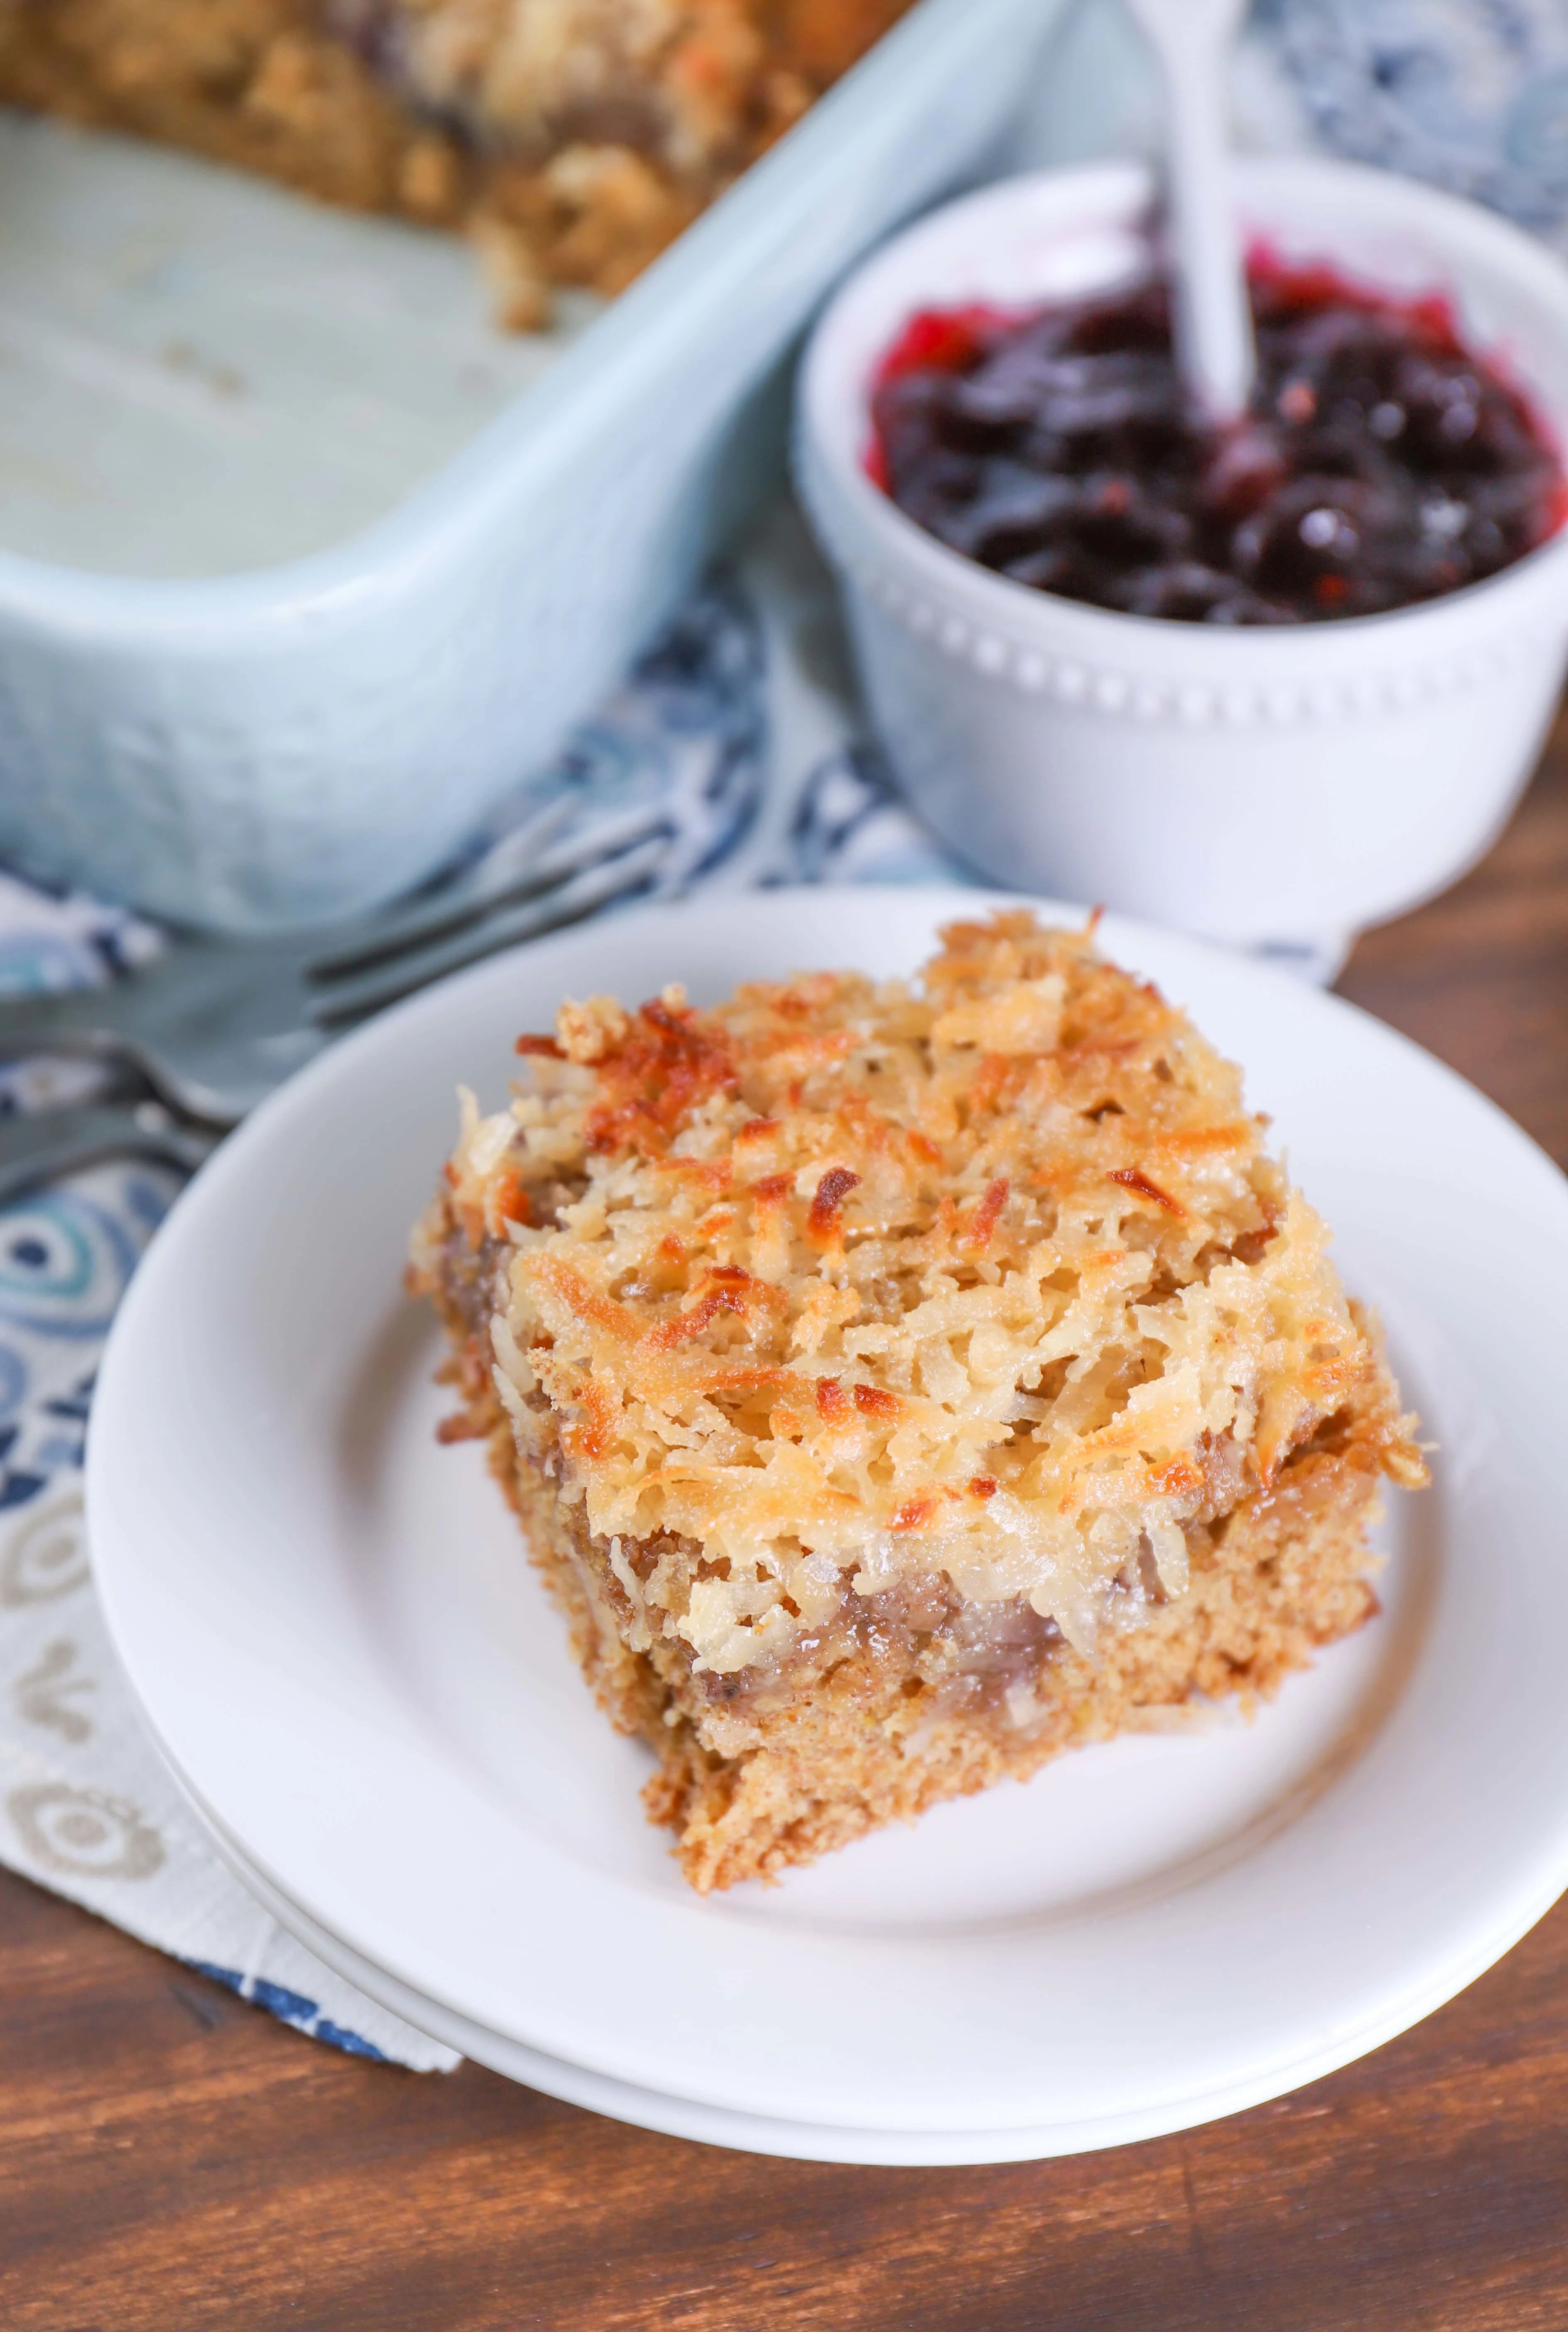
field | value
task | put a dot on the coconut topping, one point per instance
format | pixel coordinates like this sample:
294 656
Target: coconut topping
847 1283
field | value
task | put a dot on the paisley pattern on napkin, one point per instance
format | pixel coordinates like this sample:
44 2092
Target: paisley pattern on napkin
1470 94
683 745
87 1807
849 826
50 944
690 742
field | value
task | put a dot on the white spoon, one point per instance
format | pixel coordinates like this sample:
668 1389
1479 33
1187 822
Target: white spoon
1213 324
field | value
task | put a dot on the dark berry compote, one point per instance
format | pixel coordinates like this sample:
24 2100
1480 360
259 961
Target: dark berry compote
1381 461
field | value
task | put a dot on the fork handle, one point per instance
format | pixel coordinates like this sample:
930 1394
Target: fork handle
35 1149
80 1024
75 1020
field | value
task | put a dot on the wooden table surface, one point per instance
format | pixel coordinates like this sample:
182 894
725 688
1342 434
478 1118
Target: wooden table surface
171 2159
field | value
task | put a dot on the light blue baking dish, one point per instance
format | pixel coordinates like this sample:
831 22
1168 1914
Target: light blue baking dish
259 750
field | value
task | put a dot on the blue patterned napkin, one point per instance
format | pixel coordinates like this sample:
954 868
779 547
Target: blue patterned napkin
1470 94
87 1806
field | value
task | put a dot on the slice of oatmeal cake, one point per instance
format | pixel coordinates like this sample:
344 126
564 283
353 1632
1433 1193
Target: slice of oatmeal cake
901 1383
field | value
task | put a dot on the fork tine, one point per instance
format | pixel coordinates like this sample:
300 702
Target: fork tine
445 917
514 857
568 904
513 851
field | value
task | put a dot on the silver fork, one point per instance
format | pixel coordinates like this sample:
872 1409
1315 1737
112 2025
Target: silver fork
213 1025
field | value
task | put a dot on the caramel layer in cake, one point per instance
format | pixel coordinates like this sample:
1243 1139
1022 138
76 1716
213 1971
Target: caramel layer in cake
573 139
898 1384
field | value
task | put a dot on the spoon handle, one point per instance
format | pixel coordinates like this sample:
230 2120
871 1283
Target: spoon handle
1213 322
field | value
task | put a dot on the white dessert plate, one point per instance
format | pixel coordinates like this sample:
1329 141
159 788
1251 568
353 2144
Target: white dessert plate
328 1622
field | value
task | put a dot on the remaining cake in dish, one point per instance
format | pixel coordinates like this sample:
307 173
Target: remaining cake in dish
574 139
900 1384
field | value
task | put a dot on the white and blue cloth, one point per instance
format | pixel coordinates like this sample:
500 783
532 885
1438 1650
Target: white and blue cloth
1471 95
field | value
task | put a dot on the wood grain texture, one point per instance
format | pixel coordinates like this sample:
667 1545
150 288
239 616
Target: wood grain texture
171 2160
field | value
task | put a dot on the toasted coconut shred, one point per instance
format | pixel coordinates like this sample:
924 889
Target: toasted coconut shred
844 1284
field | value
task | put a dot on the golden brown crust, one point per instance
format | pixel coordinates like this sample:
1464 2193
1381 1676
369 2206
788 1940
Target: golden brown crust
994 1278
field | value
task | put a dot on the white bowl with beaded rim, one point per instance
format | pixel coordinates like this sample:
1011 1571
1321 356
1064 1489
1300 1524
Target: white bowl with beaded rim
1273 788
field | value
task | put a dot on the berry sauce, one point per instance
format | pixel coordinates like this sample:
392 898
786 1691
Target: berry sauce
1381 461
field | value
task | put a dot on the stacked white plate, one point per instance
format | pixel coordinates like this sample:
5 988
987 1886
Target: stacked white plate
359 1681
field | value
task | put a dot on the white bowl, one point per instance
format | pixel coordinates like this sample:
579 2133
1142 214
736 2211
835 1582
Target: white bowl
1268 786
279 746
